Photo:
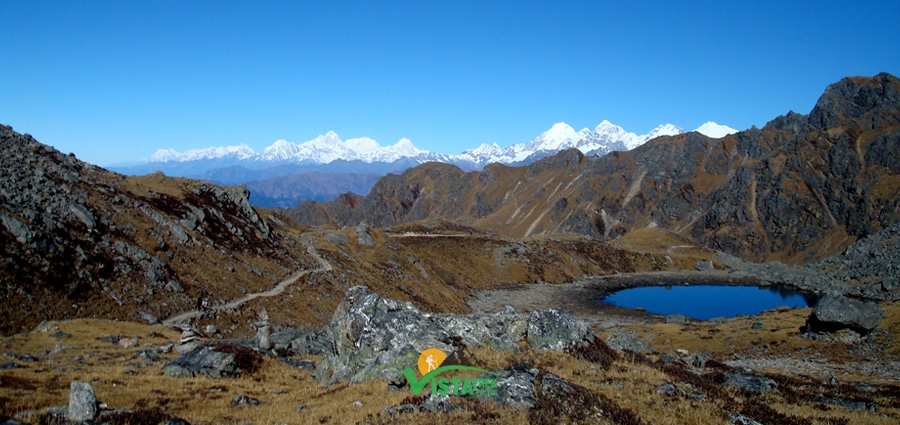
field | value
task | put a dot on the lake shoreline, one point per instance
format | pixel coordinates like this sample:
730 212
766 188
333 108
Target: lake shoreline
581 297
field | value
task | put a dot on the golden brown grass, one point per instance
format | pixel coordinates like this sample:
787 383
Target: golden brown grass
291 395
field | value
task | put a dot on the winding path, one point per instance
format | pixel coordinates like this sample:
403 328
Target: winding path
305 239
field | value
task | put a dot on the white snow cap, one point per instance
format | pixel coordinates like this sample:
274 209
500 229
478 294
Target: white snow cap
715 131
329 147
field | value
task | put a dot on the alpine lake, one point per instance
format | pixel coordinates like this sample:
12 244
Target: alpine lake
704 302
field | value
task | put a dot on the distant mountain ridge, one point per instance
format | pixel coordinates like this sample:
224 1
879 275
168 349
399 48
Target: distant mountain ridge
286 173
328 148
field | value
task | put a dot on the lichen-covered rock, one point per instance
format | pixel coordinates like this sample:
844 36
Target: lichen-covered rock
557 329
515 387
82 402
370 334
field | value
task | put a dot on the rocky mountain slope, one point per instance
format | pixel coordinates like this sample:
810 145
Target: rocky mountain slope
79 241
800 189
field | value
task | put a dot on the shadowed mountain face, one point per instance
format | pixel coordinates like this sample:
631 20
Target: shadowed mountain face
799 189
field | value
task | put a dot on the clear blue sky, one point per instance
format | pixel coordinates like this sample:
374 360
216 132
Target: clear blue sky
114 81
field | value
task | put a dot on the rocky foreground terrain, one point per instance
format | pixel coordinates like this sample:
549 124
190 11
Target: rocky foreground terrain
148 300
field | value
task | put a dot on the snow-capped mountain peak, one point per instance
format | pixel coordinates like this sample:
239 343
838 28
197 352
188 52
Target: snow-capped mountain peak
715 131
238 152
559 131
329 147
664 130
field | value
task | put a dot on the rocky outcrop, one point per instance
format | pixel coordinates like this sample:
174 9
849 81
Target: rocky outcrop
868 268
372 334
833 313
213 362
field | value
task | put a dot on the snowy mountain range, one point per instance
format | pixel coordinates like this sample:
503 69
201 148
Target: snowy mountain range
328 148
286 173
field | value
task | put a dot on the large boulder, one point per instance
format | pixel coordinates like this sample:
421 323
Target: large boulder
82 402
833 313
371 335
205 360
557 329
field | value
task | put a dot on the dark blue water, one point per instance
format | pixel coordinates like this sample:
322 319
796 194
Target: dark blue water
704 302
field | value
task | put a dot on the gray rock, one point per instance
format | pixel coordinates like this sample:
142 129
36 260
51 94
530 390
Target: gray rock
696 360
750 383
833 313
189 341
173 286
283 338
336 238
890 283
621 339
365 238
18 229
677 319
299 363
206 360
739 419
370 334
669 390
666 359
262 338
704 266
243 399
440 403
176 371
176 421
82 214
557 329
396 380
515 388
308 342
151 319
82 402
552 385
